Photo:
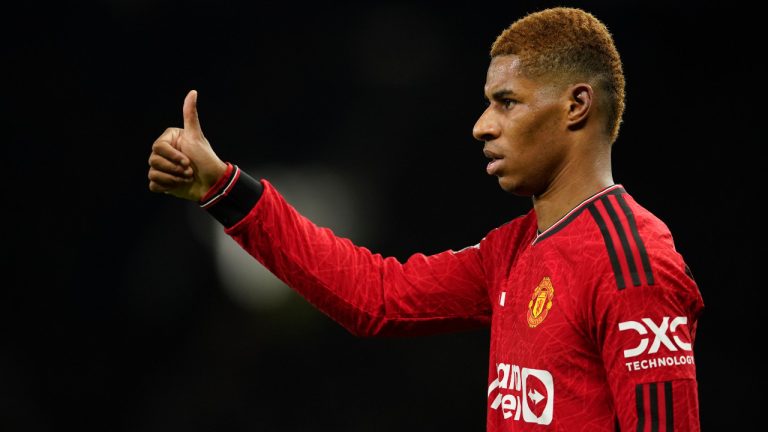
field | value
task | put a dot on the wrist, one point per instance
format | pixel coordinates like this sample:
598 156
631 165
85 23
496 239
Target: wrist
216 173
235 199
217 181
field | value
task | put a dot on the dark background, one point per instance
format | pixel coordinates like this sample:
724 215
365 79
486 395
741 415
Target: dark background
113 314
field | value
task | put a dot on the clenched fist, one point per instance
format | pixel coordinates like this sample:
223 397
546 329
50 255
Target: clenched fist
182 162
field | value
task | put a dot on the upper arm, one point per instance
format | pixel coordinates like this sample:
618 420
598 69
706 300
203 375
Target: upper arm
645 335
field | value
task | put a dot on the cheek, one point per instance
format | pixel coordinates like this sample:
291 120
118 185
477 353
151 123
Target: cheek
541 134
535 146
527 138
544 122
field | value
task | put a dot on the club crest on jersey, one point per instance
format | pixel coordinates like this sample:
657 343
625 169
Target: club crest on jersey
541 302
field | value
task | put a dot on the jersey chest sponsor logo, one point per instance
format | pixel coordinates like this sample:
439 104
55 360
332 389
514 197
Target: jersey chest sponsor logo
541 302
666 341
523 393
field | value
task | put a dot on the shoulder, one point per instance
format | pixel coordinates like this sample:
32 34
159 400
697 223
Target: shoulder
640 262
629 242
505 237
516 231
648 224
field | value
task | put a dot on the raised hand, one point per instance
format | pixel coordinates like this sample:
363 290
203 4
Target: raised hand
182 162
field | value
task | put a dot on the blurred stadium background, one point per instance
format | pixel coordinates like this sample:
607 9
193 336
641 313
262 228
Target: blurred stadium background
124 310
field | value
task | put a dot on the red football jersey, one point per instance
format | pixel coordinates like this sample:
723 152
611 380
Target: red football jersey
592 321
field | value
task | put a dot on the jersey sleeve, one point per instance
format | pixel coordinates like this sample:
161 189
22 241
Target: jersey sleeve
368 294
645 335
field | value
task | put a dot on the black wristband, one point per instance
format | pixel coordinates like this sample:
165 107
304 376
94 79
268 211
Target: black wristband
236 200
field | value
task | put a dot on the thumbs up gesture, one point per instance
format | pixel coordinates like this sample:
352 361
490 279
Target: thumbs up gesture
182 162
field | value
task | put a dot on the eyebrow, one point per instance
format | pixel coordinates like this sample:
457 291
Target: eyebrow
501 94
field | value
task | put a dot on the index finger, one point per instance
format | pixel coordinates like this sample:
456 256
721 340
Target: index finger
164 148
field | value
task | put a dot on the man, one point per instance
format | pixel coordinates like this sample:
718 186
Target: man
592 311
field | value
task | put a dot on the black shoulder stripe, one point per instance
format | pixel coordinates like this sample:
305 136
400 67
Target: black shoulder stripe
623 239
609 246
638 240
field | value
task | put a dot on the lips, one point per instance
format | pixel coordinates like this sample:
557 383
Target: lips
492 155
494 164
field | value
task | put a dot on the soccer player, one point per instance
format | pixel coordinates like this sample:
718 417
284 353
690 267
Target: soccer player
592 310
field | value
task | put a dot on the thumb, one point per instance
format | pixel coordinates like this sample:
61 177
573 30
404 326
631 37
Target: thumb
191 122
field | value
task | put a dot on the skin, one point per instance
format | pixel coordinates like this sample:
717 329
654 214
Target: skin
182 162
549 138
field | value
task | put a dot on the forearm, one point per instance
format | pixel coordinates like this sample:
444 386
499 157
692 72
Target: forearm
366 293
335 276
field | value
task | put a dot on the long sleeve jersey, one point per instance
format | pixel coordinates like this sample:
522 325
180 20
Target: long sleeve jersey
592 321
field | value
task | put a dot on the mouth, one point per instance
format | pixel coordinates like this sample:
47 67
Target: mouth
495 161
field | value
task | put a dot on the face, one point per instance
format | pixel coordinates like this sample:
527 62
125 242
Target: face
523 128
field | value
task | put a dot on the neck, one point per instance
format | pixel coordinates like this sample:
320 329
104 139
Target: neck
573 184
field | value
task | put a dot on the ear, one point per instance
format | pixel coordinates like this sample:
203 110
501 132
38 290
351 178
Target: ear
580 99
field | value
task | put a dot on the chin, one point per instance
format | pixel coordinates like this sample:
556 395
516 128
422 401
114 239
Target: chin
514 187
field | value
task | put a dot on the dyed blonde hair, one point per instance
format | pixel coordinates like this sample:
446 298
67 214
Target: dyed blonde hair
568 45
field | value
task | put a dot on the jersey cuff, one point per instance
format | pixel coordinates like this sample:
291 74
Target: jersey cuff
233 197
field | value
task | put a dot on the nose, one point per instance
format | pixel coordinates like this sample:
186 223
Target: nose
486 127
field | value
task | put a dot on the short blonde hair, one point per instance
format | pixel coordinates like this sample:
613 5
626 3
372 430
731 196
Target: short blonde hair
568 44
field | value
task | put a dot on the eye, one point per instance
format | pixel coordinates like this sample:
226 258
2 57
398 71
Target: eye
508 103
